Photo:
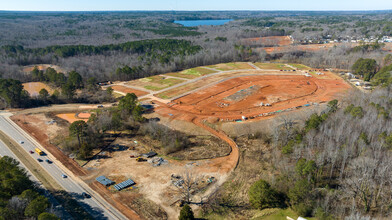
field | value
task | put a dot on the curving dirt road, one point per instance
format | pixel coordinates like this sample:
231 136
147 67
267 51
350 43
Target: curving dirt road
221 164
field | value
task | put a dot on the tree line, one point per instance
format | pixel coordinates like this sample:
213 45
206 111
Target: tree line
20 198
66 90
161 47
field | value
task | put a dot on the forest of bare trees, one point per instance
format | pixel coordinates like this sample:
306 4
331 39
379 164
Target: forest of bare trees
350 150
37 31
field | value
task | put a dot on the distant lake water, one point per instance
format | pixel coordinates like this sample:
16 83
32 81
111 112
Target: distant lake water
193 23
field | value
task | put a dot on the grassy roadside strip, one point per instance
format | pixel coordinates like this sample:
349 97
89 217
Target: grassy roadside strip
29 162
70 204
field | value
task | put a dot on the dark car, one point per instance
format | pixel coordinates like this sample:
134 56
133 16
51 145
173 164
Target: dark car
48 161
31 152
85 195
39 160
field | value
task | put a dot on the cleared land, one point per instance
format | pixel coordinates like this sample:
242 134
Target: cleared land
272 66
125 90
192 73
272 40
230 98
33 88
231 66
155 83
192 86
71 117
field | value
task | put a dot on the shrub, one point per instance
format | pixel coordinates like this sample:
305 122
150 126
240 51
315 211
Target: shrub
262 195
186 213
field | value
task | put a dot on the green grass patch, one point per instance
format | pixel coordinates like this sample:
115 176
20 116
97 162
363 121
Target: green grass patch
148 79
170 81
192 73
231 66
153 88
277 214
157 83
163 96
300 66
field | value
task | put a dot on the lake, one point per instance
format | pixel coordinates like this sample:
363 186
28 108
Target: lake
193 23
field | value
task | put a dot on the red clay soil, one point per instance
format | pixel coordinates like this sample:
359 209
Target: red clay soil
108 196
282 92
125 89
272 40
220 164
307 47
43 139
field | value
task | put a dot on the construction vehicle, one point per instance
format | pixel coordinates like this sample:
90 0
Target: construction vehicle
39 152
140 159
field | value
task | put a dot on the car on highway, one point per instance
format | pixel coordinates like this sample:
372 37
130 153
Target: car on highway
31 152
85 195
22 142
63 175
48 161
39 160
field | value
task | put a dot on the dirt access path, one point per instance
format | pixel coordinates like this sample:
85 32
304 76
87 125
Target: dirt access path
221 164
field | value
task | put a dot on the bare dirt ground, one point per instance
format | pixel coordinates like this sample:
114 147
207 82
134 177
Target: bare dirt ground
272 40
71 117
231 66
313 47
298 91
33 88
125 90
152 182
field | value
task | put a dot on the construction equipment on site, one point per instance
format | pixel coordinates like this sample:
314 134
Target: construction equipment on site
140 159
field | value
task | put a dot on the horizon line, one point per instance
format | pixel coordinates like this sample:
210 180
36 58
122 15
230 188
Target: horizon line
212 10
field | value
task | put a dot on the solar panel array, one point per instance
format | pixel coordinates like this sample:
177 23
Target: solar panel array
105 181
124 184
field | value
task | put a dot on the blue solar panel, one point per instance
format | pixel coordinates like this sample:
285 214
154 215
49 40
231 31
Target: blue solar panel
124 184
105 181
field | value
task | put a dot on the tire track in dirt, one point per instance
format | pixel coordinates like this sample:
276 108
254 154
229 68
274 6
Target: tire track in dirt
221 164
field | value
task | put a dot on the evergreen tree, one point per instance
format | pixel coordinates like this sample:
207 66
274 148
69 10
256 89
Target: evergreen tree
186 213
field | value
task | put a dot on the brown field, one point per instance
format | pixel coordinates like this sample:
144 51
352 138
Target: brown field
192 73
155 83
33 88
71 117
124 89
272 40
307 47
300 66
272 66
241 96
231 66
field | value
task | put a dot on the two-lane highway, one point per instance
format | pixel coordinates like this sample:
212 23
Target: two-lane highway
95 205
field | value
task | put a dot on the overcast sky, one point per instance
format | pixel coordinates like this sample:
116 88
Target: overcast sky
125 5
